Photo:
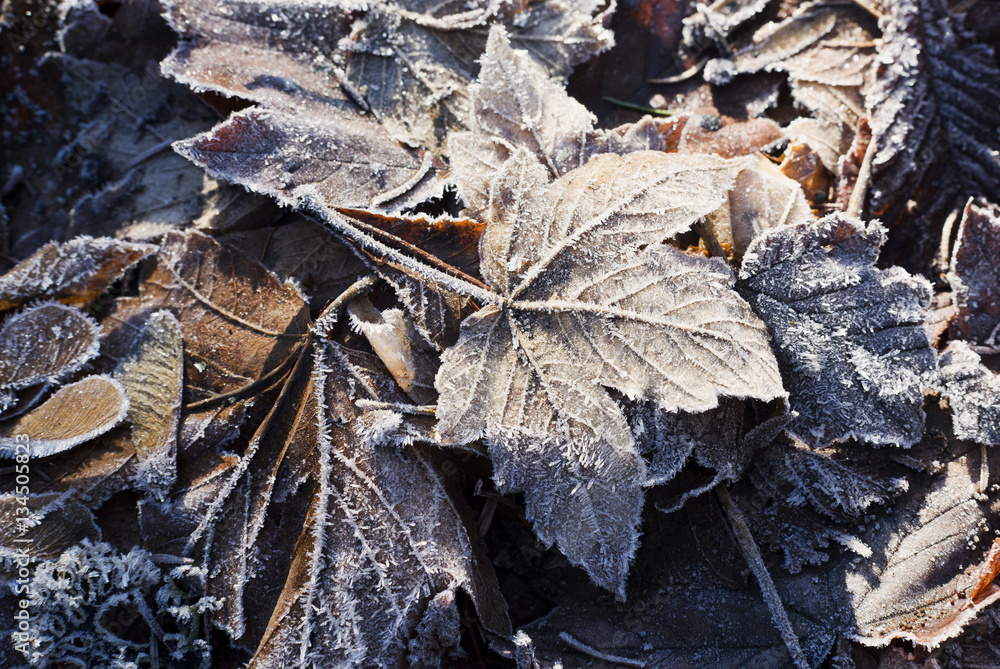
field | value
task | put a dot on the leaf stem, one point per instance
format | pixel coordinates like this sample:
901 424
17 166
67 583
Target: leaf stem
753 557
593 652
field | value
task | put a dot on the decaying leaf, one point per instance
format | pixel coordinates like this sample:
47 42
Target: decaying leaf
934 109
850 338
339 84
296 475
692 607
45 343
152 376
973 393
74 414
580 305
54 522
975 274
74 272
382 545
832 486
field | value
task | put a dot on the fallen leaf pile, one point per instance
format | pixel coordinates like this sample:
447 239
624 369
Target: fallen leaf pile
500 334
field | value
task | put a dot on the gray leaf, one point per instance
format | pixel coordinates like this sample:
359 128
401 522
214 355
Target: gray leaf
973 393
849 337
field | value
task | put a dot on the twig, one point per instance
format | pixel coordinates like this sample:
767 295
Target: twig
984 469
860 191
752 554
148 153
593 652
683 76
634 107
398 407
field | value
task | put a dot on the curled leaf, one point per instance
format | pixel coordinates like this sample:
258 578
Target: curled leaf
151 375
975 274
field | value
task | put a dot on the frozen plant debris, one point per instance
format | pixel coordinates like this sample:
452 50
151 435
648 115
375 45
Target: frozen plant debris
849 337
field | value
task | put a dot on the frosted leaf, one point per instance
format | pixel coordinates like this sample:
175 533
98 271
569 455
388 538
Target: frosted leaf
54 523
923 583
832 486
514 104
152 376
934 109
349 160
849 337
74 272
340 84
581 307
973 393
74 414
44 343
383 547
238 321
975 274
435 293
761 198
710 445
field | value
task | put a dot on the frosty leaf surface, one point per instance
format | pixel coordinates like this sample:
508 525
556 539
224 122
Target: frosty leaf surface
975 274
44 343
54 523
74 414
152 375
74 272
934 109
589 298
973 393
849 337
381 544
831 485
340 85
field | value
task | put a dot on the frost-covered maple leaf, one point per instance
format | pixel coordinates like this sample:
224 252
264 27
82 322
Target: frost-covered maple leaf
586 298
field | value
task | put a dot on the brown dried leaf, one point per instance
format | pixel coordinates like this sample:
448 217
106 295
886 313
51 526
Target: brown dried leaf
45 343
239 324
53 523
302 250
581 306
381 545
74 272
152 375
973 275
74 414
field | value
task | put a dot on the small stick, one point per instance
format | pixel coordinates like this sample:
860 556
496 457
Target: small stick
634 107
857 201
148 153
331 313
593 652
752 554
984 469
683 76
372 405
